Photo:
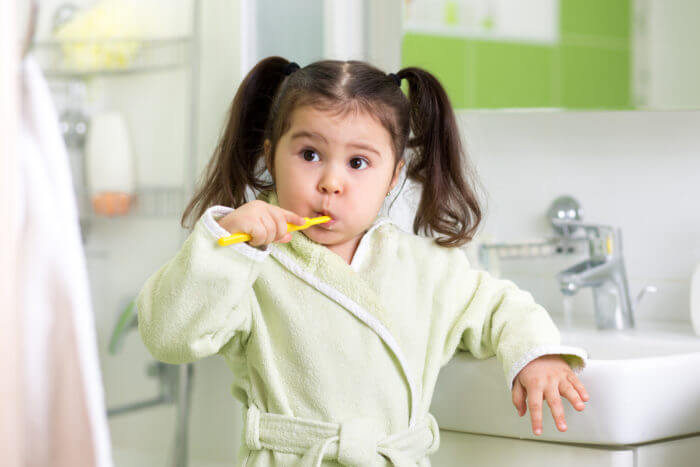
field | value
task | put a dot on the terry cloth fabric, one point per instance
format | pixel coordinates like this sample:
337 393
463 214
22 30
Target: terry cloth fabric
310 337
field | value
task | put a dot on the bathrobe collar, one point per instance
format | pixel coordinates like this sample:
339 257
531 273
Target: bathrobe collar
327 272
327 266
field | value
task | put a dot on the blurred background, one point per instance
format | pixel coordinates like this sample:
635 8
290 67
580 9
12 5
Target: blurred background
595 99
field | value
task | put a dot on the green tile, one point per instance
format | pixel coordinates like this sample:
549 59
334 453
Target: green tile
513 74
600 18
589 68
445 57
595 77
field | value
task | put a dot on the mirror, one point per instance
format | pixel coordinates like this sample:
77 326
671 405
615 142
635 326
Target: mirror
557 54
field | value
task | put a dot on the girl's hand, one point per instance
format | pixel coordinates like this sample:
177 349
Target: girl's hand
548 376
264 222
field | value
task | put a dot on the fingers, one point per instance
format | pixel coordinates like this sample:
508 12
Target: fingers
519 397
573 379
285 217
556 407
265 223
280 219
294 218
257 232
272 227
548 380
534 402
551 394
567 389
268 232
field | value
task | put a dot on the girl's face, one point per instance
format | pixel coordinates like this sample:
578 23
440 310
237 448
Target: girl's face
340 166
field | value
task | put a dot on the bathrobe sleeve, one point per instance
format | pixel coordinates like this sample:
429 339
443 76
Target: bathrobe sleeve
494 317
196 302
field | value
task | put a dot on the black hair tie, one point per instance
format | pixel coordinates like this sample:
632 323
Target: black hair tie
291 68
396 79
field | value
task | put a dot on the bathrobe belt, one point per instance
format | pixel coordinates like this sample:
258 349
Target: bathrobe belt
357 441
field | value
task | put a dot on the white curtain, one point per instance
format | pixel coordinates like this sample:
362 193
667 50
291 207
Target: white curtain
65 422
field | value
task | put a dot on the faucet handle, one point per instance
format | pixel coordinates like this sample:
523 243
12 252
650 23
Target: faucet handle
645 289
605 241
586 226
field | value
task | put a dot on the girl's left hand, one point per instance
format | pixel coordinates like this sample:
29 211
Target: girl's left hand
547 376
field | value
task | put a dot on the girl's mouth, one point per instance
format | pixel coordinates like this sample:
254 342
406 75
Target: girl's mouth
326 224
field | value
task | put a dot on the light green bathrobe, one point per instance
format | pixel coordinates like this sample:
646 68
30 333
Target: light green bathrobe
336 363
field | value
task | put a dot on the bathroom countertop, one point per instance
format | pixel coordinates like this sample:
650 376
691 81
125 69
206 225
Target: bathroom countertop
656 328
638 378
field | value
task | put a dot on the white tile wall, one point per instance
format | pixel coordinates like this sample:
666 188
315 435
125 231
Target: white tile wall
636 170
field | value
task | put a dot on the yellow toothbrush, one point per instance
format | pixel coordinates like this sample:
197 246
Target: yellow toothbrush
244 237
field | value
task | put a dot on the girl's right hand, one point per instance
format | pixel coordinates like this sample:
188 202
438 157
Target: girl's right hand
264 222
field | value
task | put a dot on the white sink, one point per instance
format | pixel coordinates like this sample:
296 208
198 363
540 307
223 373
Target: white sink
644 385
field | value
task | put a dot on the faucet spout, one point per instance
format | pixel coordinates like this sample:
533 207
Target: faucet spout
587 273
604 273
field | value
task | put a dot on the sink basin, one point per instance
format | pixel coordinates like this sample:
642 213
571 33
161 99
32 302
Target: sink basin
643 383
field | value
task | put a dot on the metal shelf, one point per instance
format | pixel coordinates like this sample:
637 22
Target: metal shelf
148 201
82 59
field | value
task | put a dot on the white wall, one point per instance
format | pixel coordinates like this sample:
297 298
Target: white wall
636 170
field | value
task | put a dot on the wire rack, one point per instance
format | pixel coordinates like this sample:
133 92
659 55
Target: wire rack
77 58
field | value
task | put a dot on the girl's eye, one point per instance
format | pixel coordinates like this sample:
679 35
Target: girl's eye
353 161
306 151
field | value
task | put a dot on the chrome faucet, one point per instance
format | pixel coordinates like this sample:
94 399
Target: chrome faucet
604 271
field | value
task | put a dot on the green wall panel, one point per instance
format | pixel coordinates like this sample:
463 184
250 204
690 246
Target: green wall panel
595 53
512 74
589 67
445 57
600 18
595 78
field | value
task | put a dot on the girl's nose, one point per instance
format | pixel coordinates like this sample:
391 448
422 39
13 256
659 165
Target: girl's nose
330 183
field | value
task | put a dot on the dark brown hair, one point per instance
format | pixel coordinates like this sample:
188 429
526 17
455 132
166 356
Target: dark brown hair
262 107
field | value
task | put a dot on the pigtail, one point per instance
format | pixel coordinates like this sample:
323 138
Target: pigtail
448 204
234 164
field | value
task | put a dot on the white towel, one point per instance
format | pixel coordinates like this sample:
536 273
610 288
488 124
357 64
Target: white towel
65 419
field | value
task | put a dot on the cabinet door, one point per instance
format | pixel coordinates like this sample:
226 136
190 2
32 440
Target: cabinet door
675 453
548 54
460 449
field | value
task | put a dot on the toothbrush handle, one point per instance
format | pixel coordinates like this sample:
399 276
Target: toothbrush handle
244 237
293 227
235 238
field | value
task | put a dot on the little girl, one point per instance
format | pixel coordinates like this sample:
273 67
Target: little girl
336 333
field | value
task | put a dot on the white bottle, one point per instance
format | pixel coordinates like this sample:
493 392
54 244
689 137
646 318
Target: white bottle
110 168
695 300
